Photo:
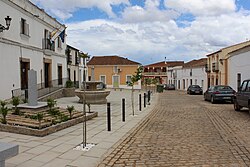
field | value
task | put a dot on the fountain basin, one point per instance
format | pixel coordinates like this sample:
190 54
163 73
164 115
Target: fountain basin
93 97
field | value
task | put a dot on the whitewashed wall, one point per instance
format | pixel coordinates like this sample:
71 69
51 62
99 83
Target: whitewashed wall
14 45
239 63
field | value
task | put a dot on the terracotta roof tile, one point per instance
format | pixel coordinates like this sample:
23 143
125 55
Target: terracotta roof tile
111 60
168 64
196 63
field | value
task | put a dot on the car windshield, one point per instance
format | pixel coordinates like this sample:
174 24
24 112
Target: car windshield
223 88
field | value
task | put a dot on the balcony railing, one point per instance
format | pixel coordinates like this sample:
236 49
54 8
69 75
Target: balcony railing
215 67
155 73
48 44
207 68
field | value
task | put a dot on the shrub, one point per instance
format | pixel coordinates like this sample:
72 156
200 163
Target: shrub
16 101
4 111
70 110
69 84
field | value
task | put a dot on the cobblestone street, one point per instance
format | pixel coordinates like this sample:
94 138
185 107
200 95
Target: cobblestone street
185 130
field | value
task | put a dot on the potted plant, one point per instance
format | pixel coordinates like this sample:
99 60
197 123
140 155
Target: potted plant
69 90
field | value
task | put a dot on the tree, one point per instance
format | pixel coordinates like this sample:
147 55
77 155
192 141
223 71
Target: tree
135 78
147 82
4 111
155 82
70 110
16 101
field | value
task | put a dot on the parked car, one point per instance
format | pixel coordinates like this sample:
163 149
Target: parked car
169 87
194 89
219 93
242 97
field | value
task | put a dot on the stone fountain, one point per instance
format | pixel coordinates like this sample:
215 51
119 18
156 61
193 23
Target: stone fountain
94 92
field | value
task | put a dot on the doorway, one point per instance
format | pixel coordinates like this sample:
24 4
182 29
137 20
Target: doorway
47 75
25 67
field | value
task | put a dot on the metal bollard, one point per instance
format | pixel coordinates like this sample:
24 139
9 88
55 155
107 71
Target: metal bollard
139 102
123 110
145 100
109 116
149 97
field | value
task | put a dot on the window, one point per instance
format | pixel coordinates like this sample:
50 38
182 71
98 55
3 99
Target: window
103 79
128 78
59 42
24 27
243 86
248 87
115 69
59 72
238 80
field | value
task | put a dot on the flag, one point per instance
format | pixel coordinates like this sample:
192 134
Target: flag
62 35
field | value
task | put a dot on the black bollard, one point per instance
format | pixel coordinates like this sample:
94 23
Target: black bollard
123 110
145 100
109 116
139 102
149 96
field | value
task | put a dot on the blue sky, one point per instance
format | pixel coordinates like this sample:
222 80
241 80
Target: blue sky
147 31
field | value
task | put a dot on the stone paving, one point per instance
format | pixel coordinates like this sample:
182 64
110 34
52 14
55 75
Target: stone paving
185 130
57 149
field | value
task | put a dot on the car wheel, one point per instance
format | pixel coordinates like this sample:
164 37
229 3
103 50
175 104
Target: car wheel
237 107
212 100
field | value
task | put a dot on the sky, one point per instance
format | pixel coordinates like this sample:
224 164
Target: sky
150 31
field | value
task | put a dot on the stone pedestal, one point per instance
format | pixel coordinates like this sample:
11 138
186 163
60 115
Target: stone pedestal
32 88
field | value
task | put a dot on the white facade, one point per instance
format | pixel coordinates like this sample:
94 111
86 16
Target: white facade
27 43
239 67
183 77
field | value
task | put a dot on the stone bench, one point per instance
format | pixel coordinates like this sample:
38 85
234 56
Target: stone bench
7 150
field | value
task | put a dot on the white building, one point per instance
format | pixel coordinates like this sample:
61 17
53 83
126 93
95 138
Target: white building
191 73
238 66
29 44
76 63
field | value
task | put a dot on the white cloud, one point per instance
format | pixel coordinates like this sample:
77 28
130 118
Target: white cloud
149 13
202 7
65 8
148 34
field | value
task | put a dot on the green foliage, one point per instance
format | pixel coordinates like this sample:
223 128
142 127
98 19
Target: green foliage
51 103
70 110
148 81
54 112
16 101
136 77
4 111
63 117
69 84
39 118
25 100
154 81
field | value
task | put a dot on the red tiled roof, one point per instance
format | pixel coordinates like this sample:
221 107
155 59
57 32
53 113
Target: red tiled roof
167 64
196 63
111 60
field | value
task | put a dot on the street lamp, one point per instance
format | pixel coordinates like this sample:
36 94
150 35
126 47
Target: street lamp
7 20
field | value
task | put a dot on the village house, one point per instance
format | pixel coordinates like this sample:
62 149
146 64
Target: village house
238 66
34 40
114 71
218 65
159 71
191 73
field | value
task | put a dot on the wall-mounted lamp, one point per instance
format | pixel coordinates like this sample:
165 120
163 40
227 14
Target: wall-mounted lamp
8 20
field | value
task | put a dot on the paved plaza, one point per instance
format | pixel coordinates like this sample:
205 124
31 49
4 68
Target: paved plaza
175 130
185 130
57 149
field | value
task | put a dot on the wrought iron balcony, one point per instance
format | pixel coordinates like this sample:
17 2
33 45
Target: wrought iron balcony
48 44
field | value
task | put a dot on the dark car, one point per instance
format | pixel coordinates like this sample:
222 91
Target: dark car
169 87
194 89
219 93
242 97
